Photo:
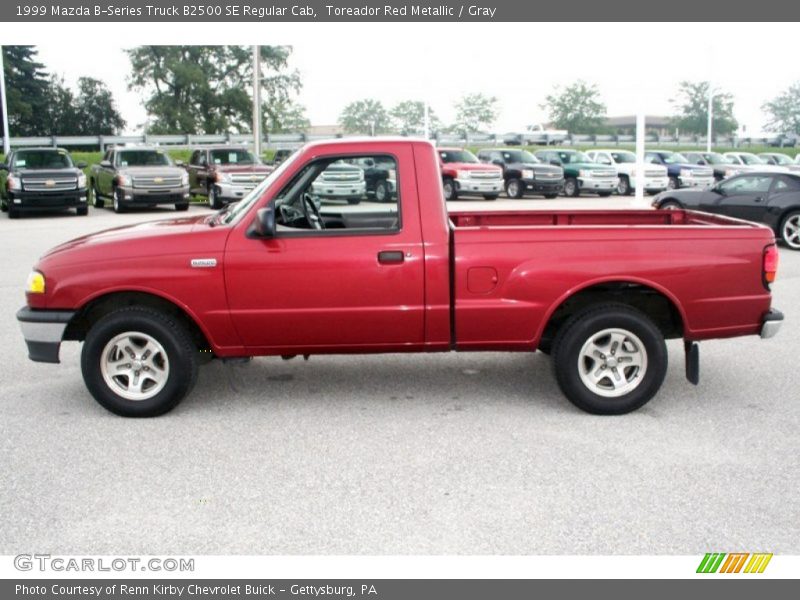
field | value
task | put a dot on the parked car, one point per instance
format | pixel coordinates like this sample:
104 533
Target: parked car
764 197
722 166
581 174
139 176
38 179
779 159
624 162
748 159
341 181
599 291
464 175
380 177
224 174
523 172
536 135
681 171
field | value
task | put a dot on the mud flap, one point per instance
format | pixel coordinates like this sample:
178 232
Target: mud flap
692 350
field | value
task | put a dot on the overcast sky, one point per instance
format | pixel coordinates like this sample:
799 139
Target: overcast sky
633 66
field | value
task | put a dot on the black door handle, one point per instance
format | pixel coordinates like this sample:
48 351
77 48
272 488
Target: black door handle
759 199
390 257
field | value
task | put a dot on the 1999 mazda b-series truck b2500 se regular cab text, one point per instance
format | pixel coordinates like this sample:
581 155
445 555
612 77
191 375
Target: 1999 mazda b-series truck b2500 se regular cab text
282 272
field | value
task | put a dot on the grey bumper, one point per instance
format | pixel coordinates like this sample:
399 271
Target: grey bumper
43 331
771 323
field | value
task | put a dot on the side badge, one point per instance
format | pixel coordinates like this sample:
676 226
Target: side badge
203 263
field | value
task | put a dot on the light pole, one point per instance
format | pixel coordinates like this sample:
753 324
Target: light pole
257 101
710 115
6 140
640 131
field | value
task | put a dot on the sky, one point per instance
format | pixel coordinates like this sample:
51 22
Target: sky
635 66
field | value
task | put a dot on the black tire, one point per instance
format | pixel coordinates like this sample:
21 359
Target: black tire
551 196
450 191
670 205
673 184
13 212
571 187
382 191
82 211
97 200
624 186
3 206
789 232
182 206
515 189
168 332
643 335
353 201
604 194
213 198
490 196
119 202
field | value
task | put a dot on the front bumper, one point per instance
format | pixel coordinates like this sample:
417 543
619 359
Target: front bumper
355 189
771 323
43 331
589 184
232 192
478 186
692 182
546 186
33 201
148 196
652 184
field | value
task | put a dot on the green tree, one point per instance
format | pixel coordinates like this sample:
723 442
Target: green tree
60 117
366 116
475 112
285 117
409 117
206 89
692 109
95 109
27 91
783 111
577 108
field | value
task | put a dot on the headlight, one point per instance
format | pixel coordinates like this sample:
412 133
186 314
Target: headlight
527 173
123 180
81 180
221 177
462 174
35 283
584 173
14 183
687 173
731 172
184 178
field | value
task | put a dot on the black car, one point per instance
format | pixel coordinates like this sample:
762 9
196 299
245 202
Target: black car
37 179
770 198
523 172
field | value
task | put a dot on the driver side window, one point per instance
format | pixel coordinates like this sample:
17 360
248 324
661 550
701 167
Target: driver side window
749 184
358 194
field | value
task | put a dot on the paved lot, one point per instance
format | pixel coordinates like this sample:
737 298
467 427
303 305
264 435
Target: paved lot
442 454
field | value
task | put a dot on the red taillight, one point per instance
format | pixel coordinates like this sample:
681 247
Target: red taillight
770 265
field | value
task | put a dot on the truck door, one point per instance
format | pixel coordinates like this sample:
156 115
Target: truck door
745 196
359 282
105 174
191 168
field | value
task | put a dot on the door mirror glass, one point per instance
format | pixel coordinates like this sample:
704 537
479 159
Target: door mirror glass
265 222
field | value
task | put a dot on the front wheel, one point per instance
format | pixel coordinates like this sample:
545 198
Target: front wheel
450 192
670 205
382 192
97 201
213 198
790 230
624 186
138 362
515 189
119 204
673 183
610 359
571 187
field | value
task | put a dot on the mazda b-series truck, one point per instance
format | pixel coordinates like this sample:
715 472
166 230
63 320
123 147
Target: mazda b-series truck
280 274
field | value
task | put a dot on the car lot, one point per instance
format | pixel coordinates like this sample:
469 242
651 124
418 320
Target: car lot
442 454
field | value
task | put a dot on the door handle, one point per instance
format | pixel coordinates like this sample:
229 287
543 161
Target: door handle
759 198
390 257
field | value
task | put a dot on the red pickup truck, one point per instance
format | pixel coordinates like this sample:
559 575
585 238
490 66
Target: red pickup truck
283 273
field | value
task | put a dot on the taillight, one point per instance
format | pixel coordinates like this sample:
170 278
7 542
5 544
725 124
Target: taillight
770 265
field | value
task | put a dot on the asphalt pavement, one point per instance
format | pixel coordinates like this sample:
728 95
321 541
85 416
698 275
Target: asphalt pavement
398 454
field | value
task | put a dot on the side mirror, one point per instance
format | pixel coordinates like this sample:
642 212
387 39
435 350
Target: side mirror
265 222
105 163
81 164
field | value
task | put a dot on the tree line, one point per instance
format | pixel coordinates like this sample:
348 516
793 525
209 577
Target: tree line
207 89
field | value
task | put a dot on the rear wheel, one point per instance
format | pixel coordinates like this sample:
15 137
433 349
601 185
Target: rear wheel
138 362
515 189
571 187
609 359
790 230
382 192
449 186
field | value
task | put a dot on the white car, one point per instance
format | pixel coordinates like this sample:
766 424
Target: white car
624 162
781 160
751 160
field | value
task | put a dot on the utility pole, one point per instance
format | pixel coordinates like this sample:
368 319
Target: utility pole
640 132
257 101
6 140
710 115
427 122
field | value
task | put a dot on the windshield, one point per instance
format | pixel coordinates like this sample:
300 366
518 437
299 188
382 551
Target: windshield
752 159
242 206
780 159
42 159
623 157
713 158
673 158
573 157
143 158
457 156
232 157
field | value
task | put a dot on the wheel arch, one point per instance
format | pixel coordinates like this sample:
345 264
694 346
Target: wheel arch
653 300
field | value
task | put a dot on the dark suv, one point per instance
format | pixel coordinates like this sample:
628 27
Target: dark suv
523 172
36 179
